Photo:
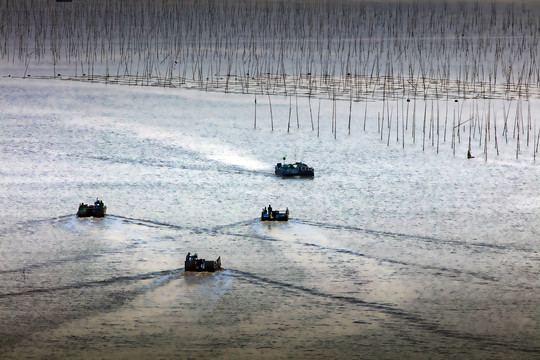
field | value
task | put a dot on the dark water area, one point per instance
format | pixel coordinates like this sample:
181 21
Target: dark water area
389 253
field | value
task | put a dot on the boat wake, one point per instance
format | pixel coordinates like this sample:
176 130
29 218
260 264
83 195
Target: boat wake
412 319
438 270
403 236
159 276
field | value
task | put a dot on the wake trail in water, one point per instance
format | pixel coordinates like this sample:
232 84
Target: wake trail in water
152 223
411 318
28 225
222 229
182 166
403 236
160 275
49 263
213 231
440 270
239 223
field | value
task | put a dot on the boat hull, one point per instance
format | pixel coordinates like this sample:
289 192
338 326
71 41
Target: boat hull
294 170
200 265
275 216
91 211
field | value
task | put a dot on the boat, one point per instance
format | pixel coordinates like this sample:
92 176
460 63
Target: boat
193 263
291 170
96 210
274 215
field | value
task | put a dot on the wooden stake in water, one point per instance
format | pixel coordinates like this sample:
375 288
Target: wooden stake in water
297 119
310 112
318 118
271 116
486 136
350 112
290 110
335 118
495 132
365 116
424 130
255 120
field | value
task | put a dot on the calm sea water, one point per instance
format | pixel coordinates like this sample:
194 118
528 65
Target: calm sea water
390 252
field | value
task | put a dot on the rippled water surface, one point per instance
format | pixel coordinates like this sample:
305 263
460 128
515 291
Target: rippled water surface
390 252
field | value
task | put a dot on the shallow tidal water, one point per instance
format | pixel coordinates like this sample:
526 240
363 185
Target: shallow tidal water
390 252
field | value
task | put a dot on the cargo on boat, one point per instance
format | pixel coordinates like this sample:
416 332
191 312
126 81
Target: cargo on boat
291 170
274 215
96 210
193 263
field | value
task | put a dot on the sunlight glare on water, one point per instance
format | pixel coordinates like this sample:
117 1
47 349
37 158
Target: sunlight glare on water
379 243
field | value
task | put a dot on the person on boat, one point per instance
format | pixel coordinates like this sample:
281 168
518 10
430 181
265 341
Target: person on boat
188 256
270 210
265 211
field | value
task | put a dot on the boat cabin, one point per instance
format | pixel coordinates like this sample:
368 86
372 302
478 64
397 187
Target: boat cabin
193 263
274 215
291 170
96 210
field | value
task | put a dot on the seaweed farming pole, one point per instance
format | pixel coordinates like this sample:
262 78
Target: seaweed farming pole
528 122
505 128
271 116
365 115
424 129
486 135
470 132
517 143
310 111
350 112
403 124
437 126
446 118
318 118
413 127
334 129
297 120
397 119
535 149
255 120
495 132
290 109
454 134
389 125
534 141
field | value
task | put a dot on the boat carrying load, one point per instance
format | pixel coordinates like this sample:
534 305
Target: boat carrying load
297 169
96 210
193 263
274 215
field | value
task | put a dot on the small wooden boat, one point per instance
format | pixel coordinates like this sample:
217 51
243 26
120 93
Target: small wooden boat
96 210
274 215
291 170
193 263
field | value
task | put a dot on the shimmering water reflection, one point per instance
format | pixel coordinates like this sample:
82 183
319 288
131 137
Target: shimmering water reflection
387 253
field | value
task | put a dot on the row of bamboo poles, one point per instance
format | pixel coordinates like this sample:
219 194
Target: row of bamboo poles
392 52
489 44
